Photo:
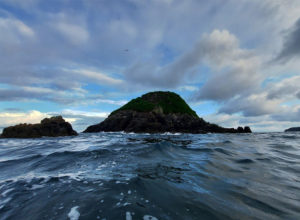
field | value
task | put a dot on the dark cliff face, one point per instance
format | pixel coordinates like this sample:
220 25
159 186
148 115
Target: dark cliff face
51 127
158 112
293 129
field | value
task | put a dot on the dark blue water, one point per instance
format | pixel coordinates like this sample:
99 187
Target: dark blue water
140 176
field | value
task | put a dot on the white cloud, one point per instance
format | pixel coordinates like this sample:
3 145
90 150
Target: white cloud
85 113
82 119
13 29
252 105
96 76
13 118
234 70
72 32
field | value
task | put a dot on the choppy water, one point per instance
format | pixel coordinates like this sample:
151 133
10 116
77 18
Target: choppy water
139 176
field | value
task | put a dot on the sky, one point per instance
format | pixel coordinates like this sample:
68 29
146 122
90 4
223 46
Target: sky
235 62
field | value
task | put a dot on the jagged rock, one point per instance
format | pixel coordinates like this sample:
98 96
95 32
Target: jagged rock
247 129
292 129
52 127
157 112
240 129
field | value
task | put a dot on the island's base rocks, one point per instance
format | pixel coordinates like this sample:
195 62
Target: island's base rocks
293 129
153 122
51 127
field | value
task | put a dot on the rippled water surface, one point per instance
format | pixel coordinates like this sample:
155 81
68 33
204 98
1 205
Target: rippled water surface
142 176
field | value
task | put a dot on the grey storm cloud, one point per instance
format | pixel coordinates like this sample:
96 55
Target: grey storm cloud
250 106
292 116
291 46
266 101
234 70
42 94
224 86
54 95
16 95
286 88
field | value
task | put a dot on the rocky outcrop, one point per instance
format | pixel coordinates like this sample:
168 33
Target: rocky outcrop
292 129
246 129
51 127
158 112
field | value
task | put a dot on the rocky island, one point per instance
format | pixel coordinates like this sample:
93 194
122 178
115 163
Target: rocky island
158 112
292 129
51 127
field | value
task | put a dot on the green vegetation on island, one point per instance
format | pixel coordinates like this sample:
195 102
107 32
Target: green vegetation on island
164 102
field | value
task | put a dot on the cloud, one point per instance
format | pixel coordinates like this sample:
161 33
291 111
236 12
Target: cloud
263 123
74 33
285 88
26 93
235 70
252 105
218 49
97 76
288 115
291 46
82 119
74 97
267 100
14 30
13 118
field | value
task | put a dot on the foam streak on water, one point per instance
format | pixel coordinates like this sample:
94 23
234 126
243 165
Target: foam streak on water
143 176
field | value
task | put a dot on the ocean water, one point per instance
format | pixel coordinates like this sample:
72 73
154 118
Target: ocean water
143 176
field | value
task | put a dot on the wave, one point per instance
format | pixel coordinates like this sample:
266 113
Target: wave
166 176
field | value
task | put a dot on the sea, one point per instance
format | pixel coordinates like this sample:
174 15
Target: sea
128 176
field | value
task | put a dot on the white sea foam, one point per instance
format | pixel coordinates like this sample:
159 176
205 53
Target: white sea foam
74 214
170 133
6 192
128 216
149 217
3 202
36 186
28 177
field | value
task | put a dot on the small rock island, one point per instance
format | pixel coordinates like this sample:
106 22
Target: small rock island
293 129
50 127
158 112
